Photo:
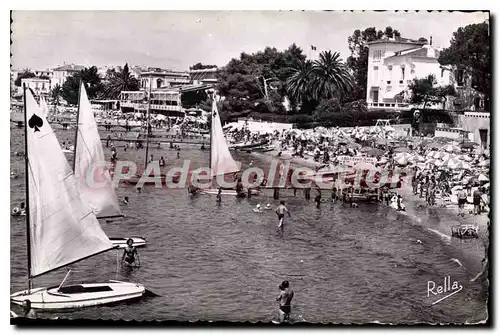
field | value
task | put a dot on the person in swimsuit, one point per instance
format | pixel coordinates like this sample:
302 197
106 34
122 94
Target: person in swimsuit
219 195
284 299
280 211
130 253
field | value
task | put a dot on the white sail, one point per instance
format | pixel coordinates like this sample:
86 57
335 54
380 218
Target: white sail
62 228
89 156
44 107
221 160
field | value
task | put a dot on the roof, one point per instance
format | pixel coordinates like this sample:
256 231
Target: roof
212 69
70 67
397 40
425 51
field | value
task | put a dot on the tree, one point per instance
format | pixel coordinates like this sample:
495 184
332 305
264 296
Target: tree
23 75
469 51
300 81
118 81
331 77
358 60
200 66
242 82
93 84
56 93
423 91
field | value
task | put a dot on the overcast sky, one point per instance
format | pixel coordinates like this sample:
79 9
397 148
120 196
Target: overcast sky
178 39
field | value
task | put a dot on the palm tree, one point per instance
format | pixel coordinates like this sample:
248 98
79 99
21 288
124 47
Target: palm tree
56 93
300 80
331 76
121 81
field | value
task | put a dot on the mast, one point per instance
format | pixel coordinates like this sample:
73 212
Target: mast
27 201
77 122
147 126
211 130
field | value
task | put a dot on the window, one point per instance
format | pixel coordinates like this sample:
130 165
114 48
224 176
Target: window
158 82
402 74
377 55
442 73
375 74
459 76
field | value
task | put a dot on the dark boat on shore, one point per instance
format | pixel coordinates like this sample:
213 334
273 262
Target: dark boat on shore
464 231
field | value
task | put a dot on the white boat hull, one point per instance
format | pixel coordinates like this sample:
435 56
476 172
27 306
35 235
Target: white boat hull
78 296
225 192
121 242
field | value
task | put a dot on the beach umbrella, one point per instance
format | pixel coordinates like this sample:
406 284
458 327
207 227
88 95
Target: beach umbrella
484 163
451 163
364 166
466 158
402 158
365 149
435 162
451 148
442 139
469 145
416 158
401 149
482 177
462 165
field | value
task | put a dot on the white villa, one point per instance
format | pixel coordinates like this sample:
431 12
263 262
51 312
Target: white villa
393 63
63 72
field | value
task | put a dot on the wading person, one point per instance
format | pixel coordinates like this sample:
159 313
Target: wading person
129 254
317 199
219 195
280 211
285 299
28 312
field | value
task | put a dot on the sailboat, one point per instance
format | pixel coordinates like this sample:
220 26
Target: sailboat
61 229
101 199
221 160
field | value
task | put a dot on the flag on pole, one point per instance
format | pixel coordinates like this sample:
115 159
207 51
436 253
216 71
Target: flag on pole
313 47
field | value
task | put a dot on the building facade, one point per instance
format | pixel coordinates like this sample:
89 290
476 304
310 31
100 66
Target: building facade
393 64
39 86
166 102
61 73
163 79
204 76
478 124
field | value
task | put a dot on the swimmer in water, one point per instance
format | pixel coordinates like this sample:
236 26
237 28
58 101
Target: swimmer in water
139 190
130 253
125 200
268 206
178 155
257 209
280 211
284 300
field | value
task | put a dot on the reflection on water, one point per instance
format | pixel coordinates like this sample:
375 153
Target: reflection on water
223 261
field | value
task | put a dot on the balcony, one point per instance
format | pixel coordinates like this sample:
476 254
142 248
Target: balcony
388 105
144 106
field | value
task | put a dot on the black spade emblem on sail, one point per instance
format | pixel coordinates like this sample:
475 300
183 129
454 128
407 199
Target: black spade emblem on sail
35 122
215 114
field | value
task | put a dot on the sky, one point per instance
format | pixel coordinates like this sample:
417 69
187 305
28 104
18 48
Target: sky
178 39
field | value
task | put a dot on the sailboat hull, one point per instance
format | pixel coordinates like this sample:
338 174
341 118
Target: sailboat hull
227 192
78 296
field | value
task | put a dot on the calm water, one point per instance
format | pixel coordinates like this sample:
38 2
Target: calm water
225 262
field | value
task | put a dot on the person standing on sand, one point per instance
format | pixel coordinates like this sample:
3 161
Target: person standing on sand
476 196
